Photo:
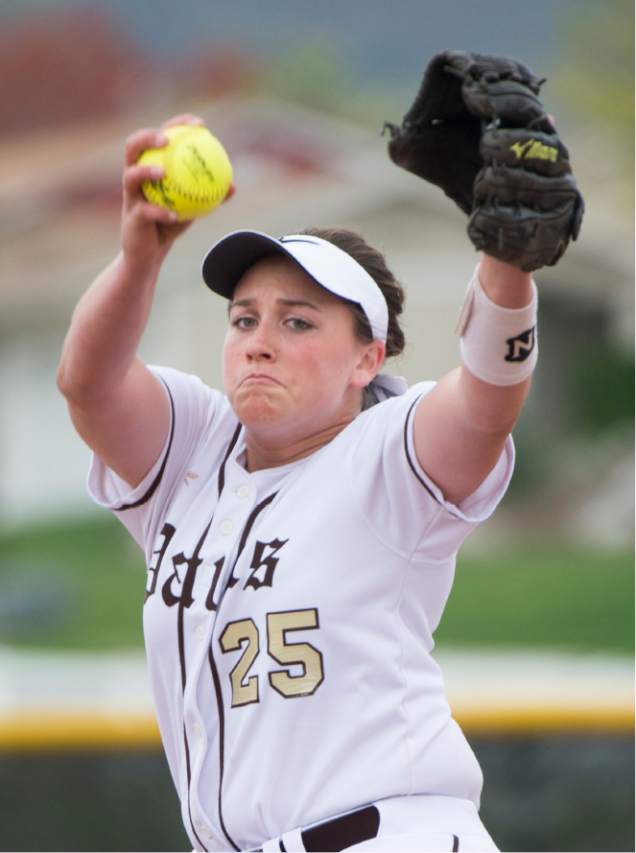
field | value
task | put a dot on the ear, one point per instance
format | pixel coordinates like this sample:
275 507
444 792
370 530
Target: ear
370 361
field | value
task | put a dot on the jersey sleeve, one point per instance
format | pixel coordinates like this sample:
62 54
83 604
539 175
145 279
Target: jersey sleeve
405 508
194 408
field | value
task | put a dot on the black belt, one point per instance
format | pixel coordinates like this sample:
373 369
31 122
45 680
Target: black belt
340 832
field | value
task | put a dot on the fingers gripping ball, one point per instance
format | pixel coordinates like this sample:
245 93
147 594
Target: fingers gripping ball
198 172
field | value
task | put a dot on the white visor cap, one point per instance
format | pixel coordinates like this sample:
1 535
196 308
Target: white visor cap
326 264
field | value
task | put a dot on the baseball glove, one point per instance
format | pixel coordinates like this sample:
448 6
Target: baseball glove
478 130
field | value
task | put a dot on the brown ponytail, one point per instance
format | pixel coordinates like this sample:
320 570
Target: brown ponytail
374 263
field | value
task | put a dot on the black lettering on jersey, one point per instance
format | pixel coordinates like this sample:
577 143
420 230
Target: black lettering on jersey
258 509
232 581
185 593
167 531
209 600
260 559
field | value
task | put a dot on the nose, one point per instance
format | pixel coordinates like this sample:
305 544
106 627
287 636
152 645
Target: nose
260 346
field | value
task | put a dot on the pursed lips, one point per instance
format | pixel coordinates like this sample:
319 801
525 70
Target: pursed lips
259 377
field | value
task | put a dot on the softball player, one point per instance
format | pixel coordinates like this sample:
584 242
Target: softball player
300 529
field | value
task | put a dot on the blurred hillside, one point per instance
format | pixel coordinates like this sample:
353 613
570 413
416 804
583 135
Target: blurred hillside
67 61
382 44
63 60
46 84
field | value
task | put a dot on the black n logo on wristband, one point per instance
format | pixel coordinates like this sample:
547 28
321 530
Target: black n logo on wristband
520 347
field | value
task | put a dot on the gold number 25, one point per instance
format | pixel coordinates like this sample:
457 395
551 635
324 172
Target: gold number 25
244 634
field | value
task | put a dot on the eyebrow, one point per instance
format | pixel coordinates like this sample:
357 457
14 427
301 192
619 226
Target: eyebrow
293 303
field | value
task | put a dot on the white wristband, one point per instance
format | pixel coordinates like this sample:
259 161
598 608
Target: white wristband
498 345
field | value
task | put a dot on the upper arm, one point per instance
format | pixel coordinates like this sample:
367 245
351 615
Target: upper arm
460 429
127 426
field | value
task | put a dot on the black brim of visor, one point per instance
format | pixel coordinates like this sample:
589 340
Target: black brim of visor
231 257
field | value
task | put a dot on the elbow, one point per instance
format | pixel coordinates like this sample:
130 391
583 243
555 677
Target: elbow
75 393
74 379
68 386
61 379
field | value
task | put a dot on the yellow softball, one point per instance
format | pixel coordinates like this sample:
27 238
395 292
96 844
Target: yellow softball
198 172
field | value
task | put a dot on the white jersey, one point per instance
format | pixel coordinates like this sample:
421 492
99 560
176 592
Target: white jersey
289 617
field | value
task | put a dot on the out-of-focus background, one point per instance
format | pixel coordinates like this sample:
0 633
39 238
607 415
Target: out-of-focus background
537 641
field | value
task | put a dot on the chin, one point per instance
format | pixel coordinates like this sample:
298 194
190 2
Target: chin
256 409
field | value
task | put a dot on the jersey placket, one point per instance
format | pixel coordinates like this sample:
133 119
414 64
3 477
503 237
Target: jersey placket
200 702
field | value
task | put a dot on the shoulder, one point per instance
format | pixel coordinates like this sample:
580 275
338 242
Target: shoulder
394 408
190 395
383 424
178 380
202 421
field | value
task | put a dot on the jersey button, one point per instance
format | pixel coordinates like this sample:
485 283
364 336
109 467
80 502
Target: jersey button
197 731
199 632
242 492
226 527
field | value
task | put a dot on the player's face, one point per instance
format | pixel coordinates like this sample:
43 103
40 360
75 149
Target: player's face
292 364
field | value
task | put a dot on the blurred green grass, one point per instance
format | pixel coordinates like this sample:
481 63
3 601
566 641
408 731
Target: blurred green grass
79 585
543 595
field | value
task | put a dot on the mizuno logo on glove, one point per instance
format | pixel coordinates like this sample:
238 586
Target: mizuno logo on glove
532 149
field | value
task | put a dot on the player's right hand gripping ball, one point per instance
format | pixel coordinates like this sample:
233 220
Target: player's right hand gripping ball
478 130
198 172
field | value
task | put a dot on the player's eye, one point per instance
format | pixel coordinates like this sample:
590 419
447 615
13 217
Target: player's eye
244 321
298 324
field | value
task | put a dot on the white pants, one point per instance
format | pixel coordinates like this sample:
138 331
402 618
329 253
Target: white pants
415 823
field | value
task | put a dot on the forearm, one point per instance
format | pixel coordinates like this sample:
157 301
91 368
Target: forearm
492 407
110 318
461 426
105 330
504 284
